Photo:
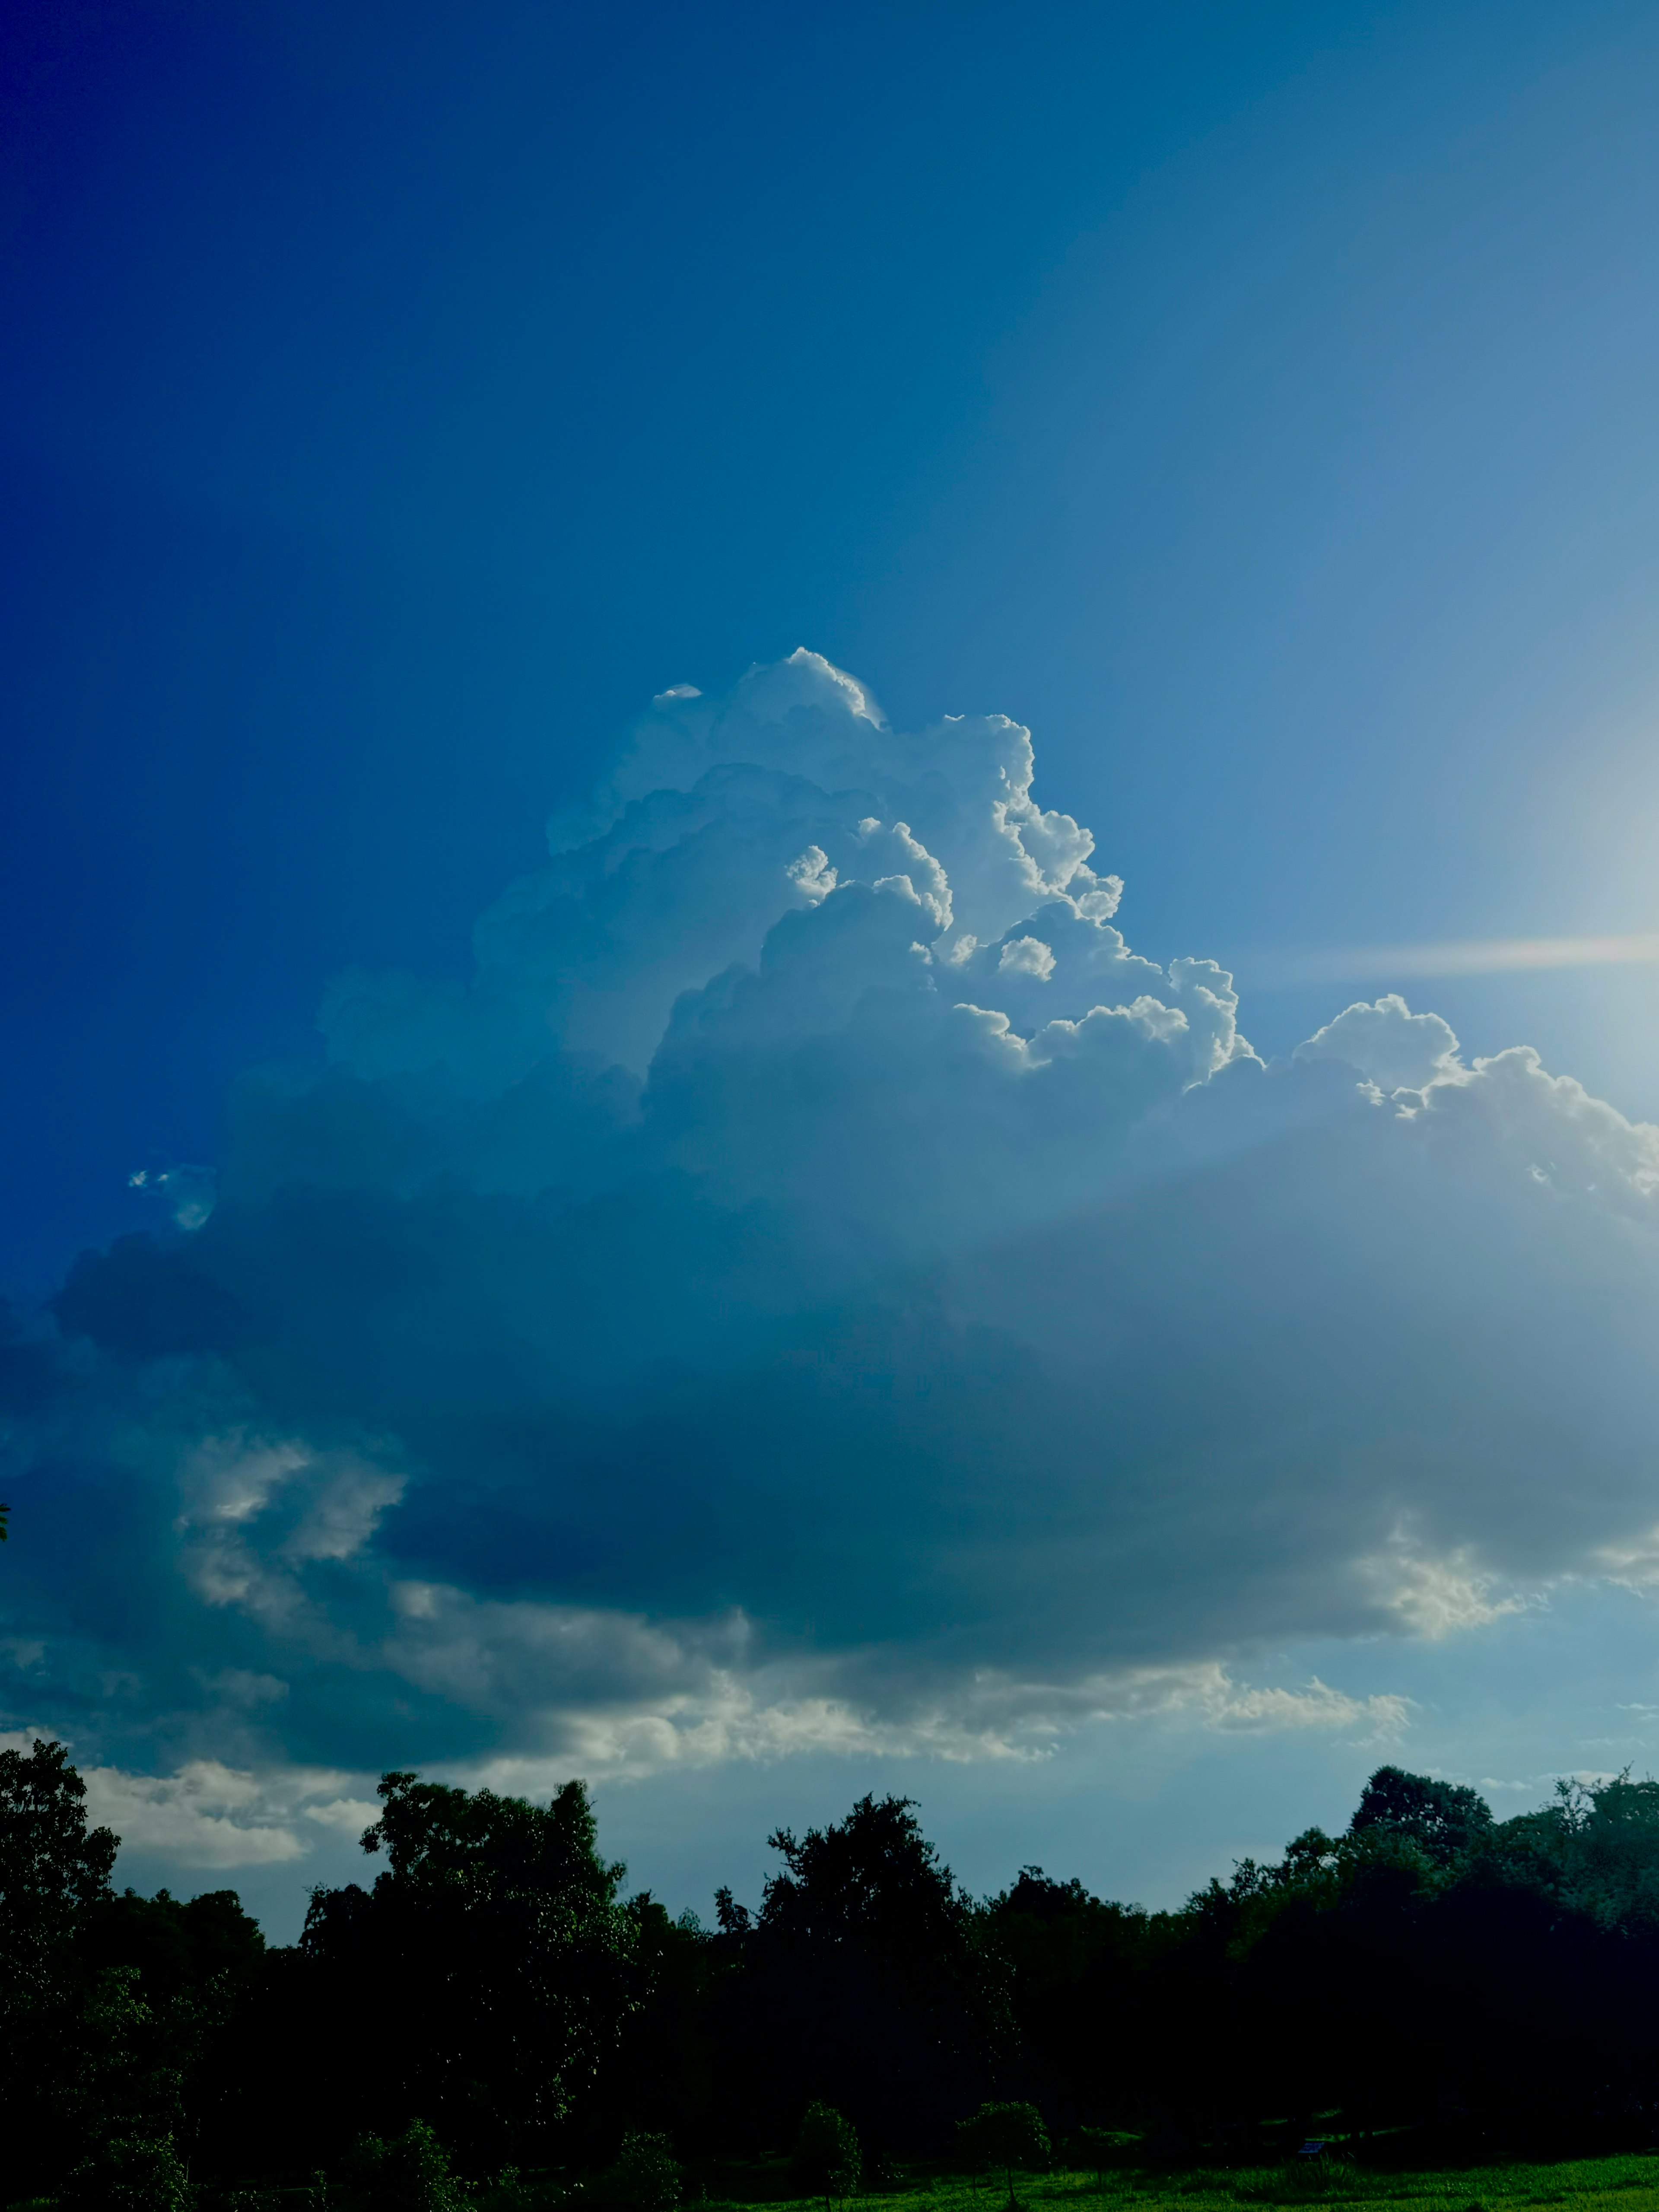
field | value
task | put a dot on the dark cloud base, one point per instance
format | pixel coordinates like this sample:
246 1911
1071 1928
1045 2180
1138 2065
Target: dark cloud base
818 1268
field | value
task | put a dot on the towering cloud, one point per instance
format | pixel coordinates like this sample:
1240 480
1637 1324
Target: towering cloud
818 1285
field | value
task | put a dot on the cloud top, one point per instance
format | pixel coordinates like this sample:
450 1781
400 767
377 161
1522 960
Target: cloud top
816 1286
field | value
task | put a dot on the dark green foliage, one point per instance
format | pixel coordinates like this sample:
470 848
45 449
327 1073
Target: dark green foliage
645 2174
128 2086
410 2174
130 2173
1445 1817
827 2161
882 2173
503 1969
1431 1962
510 2192
863 1977
177 1947
1005 2136
1596 1851
1100 2148
492 1998
666 2070
53 1867
54 1873
1076 1968
192 1978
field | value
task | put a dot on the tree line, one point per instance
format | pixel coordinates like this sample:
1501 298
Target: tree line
494 2003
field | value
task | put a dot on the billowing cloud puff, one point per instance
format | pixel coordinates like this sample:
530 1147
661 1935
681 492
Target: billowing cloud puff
1398 1049
815 1286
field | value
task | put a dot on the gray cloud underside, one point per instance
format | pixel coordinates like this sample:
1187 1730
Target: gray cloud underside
819 1285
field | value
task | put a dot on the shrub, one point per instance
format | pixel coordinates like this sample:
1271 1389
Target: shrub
410 2175
1100 2147
644 2176
827 2161
882 2172
511 2192
131 2174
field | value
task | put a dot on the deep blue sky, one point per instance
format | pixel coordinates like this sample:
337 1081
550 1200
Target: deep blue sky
1259 402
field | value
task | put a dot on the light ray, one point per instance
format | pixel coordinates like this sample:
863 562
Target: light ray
1492 956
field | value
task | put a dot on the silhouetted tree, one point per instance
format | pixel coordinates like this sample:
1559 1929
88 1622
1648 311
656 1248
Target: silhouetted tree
1078 1970
1446 1818
499 1960
492 1996
1008 2136
864 1979
54 1873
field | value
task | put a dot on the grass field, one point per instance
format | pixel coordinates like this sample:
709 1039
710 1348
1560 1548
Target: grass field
1628 2183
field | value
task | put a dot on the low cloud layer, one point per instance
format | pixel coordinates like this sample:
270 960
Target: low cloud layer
816 1287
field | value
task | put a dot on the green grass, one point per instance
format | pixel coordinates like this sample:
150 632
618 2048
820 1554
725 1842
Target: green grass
1623 2183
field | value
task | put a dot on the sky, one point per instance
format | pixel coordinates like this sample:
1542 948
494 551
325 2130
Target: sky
706 716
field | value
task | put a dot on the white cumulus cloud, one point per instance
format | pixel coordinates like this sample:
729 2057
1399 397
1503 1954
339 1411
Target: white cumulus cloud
816 1286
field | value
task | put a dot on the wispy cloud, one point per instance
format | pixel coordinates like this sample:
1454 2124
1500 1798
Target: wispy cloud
1478 956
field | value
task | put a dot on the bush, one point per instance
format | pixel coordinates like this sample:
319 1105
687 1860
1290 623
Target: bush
882 2172
827 2161
511 2192
1005 2136
645 2175
1101 2147
131 2174
410 2175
